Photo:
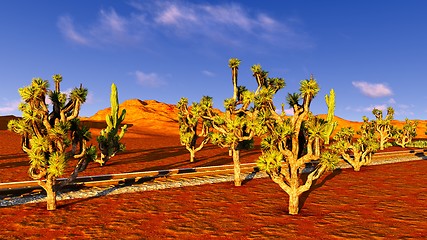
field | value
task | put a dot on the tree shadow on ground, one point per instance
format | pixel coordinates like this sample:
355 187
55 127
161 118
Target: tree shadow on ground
315 185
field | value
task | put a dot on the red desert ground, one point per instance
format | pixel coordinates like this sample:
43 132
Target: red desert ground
380 202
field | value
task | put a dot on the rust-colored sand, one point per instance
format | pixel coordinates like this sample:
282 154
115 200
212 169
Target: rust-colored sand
380 202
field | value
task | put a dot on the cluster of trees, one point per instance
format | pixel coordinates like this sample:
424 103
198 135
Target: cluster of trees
288 142
53 138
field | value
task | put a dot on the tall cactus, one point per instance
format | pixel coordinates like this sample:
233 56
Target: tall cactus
109 138
331 124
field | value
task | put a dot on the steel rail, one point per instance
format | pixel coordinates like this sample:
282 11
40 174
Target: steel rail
9 188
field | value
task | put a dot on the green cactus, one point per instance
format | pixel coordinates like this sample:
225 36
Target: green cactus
46 135
331 124
109 138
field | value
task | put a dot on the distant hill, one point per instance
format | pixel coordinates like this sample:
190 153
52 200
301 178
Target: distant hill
155 115
4 120
145 114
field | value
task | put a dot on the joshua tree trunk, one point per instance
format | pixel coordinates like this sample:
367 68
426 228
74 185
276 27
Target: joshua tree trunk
356 167
192 154
236 163
382 141
48 186
293 202
317 147
234 79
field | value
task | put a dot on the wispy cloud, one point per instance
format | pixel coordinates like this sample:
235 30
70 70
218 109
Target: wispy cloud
288 111
228 24
400 110
66 26
175 15
373 90
392 101
208 73
9 107
149 79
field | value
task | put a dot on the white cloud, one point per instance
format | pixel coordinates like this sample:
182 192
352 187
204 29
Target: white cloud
228 15
66 26
148 79
228 24
368 109
8 108
373 90
113 21
175 15
392 101
208 73
288 111
404 110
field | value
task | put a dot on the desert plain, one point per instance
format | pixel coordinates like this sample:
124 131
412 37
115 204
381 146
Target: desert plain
379 202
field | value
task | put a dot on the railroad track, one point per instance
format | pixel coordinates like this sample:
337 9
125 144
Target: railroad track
25 188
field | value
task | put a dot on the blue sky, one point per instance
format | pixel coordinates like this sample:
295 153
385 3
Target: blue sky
373 53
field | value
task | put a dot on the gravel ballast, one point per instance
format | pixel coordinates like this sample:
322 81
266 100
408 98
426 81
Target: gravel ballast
158 185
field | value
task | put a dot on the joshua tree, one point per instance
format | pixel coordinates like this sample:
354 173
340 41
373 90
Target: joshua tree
331 124
109 138
406 134
356 152
46 134
189 119
231 127
239 123
383 125
288 146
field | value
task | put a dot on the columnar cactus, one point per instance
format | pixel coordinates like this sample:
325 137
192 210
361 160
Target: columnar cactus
46 134
109 138
331 124
288 145
189 120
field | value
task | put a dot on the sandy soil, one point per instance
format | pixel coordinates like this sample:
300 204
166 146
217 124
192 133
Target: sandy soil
380 202
145 151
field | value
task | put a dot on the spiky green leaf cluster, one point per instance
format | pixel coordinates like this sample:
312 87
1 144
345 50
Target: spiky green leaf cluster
58 97
329 159
57 163
270 161
35 92
79 94
309 87
293 99
37 153
316 127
